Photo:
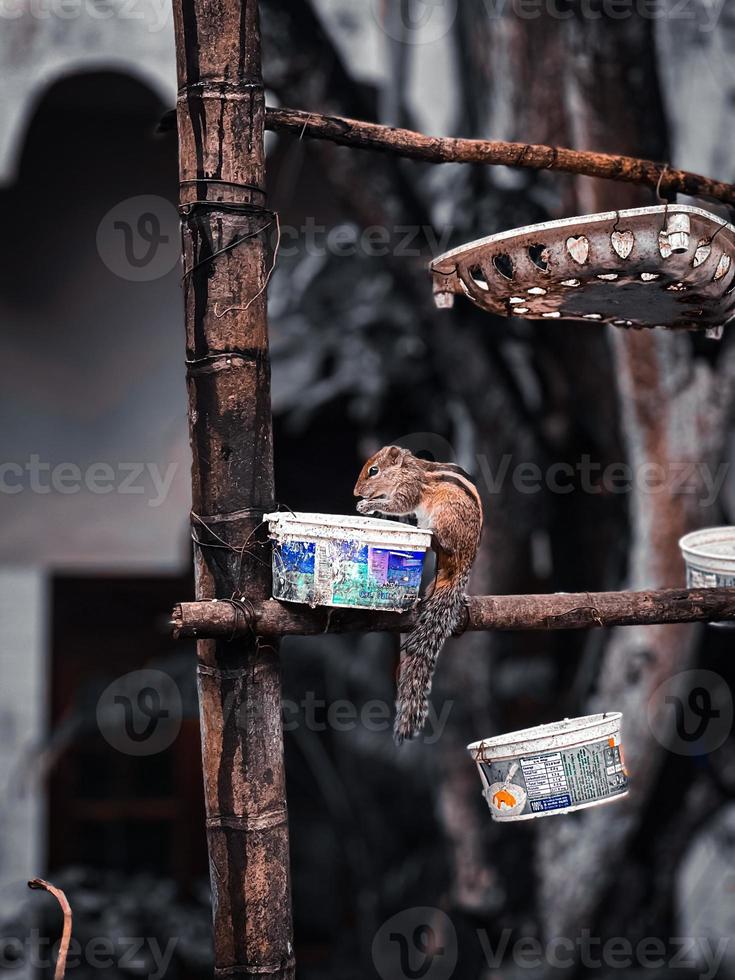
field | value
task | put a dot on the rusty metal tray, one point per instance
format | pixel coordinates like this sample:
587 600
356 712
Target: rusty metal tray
669 266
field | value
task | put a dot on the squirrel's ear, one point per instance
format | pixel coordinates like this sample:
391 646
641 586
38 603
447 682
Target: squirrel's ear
398 455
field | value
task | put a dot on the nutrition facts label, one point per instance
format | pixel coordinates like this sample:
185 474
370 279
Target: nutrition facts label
378 564
572 776
323 572
544 775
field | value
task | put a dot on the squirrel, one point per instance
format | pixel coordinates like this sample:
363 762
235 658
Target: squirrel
444 499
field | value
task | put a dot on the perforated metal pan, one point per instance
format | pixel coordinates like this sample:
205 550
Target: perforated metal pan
669 266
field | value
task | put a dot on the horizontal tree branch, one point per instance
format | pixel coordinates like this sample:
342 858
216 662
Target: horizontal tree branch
441 149
560 611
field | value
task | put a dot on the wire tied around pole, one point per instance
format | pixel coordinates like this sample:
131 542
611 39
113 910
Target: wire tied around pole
243 607
247 548
220 544
244 208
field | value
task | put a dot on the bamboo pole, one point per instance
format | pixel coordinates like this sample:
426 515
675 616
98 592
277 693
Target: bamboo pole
225 227
439 149
560 611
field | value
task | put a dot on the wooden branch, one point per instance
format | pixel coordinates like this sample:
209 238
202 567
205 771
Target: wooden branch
560 611
39 883
441 149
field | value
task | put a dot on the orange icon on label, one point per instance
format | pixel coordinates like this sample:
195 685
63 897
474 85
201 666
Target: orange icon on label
503 796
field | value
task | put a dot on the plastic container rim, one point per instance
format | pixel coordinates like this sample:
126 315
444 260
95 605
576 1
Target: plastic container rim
339 526
694 544
548 733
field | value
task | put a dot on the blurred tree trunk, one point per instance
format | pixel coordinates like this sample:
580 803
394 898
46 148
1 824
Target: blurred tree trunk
667 413
512 88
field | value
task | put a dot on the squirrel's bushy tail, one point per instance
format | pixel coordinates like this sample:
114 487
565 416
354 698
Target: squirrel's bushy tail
439 617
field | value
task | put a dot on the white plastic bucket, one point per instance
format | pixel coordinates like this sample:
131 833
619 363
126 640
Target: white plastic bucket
557 768
351 562
710 557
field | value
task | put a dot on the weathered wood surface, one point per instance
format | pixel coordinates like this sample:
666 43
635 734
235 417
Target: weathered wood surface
559 611
220 114
441 149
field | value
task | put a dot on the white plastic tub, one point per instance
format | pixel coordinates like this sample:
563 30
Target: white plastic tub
710 557
351 562
552 769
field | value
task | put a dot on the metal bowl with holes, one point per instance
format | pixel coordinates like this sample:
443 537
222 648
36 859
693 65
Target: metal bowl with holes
669 266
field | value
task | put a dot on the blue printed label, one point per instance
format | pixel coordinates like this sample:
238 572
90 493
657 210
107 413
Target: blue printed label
298 557
551 803
698 578
346 573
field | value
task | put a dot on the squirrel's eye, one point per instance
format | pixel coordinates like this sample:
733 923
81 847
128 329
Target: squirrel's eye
373 471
